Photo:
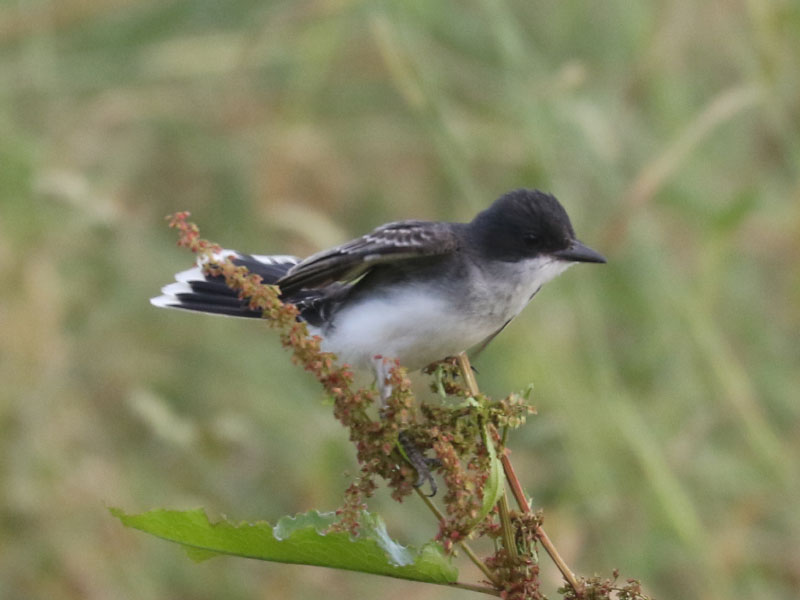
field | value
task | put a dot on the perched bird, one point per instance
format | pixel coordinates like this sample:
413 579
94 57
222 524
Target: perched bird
415 291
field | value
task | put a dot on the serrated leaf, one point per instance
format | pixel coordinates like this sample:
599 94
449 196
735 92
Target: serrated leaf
303 539
494 487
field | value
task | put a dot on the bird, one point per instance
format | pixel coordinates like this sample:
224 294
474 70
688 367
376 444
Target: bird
411 291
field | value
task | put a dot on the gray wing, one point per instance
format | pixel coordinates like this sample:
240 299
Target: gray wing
391 243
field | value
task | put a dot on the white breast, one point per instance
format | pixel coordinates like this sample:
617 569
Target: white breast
414 327
421 324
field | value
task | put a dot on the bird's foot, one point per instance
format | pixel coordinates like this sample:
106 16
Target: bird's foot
451 361
420 462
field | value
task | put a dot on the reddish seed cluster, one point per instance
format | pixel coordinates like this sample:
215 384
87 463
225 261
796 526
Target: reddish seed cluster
598 588
519 575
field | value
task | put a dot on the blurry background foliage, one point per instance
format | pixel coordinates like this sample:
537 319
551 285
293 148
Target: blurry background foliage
667 381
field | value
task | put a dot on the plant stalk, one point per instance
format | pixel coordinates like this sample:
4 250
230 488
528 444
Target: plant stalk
540 533
519 495
508 530
502 504
481 589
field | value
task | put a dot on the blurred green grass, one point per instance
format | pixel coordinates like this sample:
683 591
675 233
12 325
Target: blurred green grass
667 382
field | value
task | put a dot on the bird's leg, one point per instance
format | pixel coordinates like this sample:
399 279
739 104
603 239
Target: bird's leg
383 368
419 461
451 361
414 455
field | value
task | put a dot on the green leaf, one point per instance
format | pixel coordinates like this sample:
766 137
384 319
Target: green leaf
303 539
494 487
438 377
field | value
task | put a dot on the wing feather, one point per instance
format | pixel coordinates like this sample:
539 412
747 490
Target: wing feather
391 243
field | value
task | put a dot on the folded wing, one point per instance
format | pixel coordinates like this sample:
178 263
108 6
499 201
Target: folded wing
394 242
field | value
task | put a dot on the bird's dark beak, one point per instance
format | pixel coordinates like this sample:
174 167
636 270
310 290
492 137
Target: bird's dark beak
577 252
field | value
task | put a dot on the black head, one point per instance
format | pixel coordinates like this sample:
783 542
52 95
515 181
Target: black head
526 224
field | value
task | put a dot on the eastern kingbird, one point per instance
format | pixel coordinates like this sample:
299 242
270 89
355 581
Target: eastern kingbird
415 291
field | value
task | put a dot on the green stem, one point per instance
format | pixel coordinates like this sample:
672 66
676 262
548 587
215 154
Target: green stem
464 546
508 530
472 587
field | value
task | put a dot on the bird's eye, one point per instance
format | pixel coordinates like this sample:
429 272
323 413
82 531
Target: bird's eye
531 239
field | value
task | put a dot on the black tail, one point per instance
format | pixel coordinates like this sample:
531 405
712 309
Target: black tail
193 290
